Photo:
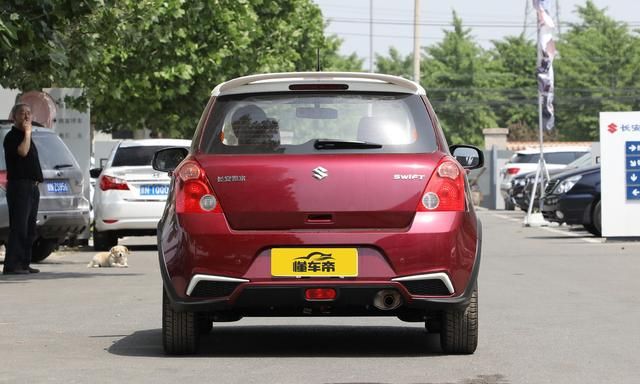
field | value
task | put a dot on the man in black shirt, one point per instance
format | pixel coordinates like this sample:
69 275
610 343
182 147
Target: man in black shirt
23 176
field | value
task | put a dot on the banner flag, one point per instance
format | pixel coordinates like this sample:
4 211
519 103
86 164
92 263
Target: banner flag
547 52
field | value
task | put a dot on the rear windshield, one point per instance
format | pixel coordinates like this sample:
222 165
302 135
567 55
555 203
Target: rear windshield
135 156
296 123
51 151
551 158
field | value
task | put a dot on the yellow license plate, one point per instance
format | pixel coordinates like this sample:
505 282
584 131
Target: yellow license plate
314 262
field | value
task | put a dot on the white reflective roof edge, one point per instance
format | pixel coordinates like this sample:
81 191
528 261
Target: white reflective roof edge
285 78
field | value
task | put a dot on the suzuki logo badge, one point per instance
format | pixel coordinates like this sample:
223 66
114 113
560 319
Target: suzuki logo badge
320 173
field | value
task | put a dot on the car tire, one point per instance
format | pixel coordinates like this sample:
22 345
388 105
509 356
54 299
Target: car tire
459 333
180 330
596 219
508 205
42 248
103 241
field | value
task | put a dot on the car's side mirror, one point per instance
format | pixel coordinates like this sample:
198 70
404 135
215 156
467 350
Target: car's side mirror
95 172
166 160
468 156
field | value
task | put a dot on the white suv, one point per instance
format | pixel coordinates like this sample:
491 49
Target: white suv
130 196
527 160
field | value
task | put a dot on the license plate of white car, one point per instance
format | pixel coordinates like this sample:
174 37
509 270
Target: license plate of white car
58 187
154 190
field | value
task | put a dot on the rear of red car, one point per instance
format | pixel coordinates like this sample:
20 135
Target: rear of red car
319 195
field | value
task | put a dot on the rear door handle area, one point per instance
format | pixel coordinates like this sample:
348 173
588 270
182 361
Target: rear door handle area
319 218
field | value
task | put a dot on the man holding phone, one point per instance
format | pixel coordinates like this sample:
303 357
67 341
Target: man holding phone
23 196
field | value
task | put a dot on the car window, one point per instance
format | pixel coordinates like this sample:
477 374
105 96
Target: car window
525 158
561 157
135 156
293 123
551 157
581 161
52 151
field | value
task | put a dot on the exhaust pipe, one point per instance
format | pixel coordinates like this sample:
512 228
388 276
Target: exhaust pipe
387 299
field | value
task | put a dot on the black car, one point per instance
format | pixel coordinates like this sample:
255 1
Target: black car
573 197
522 185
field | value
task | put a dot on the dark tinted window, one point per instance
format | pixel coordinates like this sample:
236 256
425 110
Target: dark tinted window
292 122
133 156
551 158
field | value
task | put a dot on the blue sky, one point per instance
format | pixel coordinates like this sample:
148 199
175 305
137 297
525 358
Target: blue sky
488 19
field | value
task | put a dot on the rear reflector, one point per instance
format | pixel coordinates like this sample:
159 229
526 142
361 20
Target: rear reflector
110 221
320 294
513 171
318 87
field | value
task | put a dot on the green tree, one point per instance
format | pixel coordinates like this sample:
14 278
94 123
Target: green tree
597 70
395 64
455 72
515 100
33 49
159 68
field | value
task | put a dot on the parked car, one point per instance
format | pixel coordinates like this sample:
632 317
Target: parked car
573 197
527 160
130 196
522 185
63 211
319 194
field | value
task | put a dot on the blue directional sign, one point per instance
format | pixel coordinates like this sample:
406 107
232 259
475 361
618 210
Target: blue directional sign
633 193
633 178
633 148
633 163
632 167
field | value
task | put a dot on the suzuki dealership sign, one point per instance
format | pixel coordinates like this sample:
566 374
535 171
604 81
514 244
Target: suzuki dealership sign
620 173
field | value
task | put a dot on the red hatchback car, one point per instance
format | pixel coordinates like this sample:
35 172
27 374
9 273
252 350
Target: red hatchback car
319 194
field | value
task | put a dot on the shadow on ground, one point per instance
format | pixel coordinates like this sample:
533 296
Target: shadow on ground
61 275
293 341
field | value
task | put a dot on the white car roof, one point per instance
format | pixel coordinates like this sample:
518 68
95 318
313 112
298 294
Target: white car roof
155 142
280 82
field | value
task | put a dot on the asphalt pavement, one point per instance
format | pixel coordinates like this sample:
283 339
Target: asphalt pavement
555 304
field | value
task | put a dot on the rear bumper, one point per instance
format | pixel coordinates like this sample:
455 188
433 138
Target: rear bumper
61 224
129 215
255 293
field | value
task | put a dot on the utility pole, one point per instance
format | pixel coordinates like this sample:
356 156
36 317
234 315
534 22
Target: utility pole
416 42
370 35
558 18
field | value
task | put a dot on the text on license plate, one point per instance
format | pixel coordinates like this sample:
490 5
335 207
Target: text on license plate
314 262
154 190
57 187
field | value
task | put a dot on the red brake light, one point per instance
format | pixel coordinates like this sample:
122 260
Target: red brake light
110 182
193 191
3 180
513 171
445 190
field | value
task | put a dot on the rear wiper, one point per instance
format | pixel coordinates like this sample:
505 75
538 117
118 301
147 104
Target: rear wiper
344 144
60 166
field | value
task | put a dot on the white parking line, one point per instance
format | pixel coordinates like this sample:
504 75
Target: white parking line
553 230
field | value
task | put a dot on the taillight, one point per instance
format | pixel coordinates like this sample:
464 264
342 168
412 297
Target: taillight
445 190
513 171
3 180
110 182
193 192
